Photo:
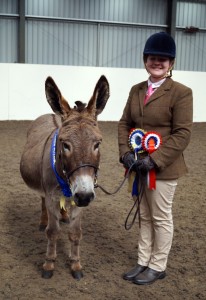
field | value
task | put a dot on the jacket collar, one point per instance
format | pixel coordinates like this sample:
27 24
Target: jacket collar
165 86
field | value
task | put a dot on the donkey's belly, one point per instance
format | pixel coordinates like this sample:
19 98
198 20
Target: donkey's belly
38 139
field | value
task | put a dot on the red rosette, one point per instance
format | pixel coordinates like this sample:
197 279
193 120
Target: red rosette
150 143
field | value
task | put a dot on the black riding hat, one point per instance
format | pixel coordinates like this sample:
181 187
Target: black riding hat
161 44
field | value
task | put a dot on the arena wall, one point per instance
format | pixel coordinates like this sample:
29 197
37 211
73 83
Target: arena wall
23 94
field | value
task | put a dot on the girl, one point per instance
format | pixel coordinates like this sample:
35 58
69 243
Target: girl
167 111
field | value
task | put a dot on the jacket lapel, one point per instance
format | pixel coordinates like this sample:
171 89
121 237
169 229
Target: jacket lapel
165 86
141 95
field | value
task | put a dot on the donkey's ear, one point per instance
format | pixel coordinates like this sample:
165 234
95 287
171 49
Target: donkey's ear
55 99
100 96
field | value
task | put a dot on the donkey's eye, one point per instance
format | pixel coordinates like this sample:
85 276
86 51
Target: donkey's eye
66 147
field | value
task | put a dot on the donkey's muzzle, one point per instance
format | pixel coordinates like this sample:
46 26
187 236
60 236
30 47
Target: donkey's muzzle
83 199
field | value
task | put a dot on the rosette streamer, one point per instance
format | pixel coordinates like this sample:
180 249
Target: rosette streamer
135 143
63 184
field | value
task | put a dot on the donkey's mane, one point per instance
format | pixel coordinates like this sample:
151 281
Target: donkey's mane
80 106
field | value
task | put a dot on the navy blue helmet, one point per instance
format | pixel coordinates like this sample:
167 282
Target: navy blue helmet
160 43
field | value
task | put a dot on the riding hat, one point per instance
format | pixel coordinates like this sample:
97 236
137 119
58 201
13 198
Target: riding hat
160 43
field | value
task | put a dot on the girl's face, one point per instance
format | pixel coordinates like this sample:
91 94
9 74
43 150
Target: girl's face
158 67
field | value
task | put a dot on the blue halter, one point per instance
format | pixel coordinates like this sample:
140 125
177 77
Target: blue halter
63 184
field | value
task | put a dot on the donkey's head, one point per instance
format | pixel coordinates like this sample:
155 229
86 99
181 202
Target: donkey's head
77 147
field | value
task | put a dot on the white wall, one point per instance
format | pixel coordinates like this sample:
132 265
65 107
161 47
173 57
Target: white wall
23 96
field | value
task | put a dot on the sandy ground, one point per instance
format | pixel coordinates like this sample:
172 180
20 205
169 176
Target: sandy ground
107 249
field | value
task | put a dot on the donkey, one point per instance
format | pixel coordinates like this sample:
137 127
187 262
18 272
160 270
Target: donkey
60 161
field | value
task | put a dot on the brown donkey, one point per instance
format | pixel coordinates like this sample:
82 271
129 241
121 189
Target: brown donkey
60 161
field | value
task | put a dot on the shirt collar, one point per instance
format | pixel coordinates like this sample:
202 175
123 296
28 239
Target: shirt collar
157 84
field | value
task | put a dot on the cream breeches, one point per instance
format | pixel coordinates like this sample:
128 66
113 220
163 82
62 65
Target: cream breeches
156 232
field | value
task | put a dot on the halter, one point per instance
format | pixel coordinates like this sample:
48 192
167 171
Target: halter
64 184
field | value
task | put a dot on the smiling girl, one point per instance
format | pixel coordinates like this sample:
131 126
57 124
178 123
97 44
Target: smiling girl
163 106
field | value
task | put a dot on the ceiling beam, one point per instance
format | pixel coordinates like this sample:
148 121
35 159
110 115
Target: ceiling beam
21 32
171 17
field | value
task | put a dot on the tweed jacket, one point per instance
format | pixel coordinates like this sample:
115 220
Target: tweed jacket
169 112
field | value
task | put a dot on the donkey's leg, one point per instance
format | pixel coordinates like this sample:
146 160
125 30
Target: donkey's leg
75 235
44 217
52 233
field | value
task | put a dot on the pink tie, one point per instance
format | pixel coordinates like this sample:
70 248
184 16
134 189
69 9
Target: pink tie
150 91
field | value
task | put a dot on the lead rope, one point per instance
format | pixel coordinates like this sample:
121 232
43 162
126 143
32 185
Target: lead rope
141 184
119 187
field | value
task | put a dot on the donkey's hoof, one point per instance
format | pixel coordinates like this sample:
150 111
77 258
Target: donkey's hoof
77 274
42 227
47 274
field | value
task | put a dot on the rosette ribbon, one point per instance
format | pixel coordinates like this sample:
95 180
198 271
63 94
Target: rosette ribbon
135 142
150 143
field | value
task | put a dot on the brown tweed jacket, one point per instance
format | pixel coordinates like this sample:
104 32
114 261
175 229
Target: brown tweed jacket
168 112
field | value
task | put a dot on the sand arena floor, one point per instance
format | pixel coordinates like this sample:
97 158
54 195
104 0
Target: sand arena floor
107 249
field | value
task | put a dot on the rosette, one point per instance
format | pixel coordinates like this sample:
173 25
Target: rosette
151 142
135 140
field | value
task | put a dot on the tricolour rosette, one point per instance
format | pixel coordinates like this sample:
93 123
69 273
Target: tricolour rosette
135 140
150 143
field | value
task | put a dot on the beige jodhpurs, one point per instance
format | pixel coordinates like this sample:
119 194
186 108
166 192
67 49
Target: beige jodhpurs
156 232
